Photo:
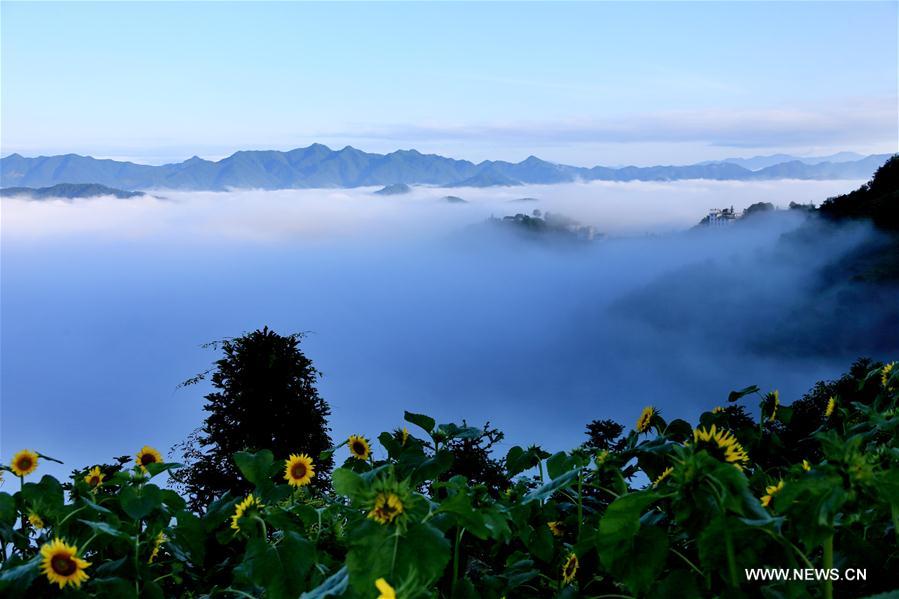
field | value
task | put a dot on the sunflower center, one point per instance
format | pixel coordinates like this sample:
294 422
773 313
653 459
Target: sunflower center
63 565
358 448
298 470
147 458
24 463
94 481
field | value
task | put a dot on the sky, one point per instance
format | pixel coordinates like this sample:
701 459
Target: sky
579 83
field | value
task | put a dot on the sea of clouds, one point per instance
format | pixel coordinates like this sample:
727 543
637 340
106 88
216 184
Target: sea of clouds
412 302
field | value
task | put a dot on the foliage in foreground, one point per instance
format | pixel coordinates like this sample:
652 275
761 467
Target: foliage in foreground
811 485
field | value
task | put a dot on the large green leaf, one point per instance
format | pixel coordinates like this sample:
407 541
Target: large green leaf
347 483
422 551
256 467
553 486
140 502
425 422
333 586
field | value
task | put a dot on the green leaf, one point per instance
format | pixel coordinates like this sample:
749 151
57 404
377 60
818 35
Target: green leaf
735 395
157 468
138 503
8 512
422 551
255 467
632 553
547 490
333 586
425 422
105 528
432 467
347 483
19 576
560 463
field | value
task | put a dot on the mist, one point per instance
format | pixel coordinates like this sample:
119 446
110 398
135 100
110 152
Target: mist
414 303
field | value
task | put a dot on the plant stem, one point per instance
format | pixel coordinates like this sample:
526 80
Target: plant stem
828 564
731 560
580 503
456 550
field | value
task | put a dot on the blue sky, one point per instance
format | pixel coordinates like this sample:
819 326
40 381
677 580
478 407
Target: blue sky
581 83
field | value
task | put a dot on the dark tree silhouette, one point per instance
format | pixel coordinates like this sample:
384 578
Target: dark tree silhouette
264 398
876 200
472 458
604 435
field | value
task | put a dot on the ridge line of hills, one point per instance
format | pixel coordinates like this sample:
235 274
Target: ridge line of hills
318 166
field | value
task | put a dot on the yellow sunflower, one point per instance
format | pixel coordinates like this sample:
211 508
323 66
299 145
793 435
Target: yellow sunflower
569 568
774 400
645 419
148 455
359 447
722 445
717 410
388 507
555 528
95 477
831 405
662 476
24 462
157 543
245 509
404 435
885 373
771 491
806 466
62 565
299 470
601 457
385 589
35 520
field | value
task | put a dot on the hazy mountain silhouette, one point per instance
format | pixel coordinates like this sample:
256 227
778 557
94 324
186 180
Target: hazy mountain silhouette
69 190
319 166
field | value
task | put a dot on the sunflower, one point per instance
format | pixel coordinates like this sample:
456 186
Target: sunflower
662 476
148 455
385 589
555 528
773 401
35 520
299 470
601 457
157 543
387 507
806 466
62 565
645 419
95 477
569 568
717 410
24 462
722 445
771 491
245 509
831 405
885 373
404 435
359 447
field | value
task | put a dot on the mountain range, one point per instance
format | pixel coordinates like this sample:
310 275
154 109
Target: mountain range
318 166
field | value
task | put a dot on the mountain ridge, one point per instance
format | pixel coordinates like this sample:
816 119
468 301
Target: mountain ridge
318 166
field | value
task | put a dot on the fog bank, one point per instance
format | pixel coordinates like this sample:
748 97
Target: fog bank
411 303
